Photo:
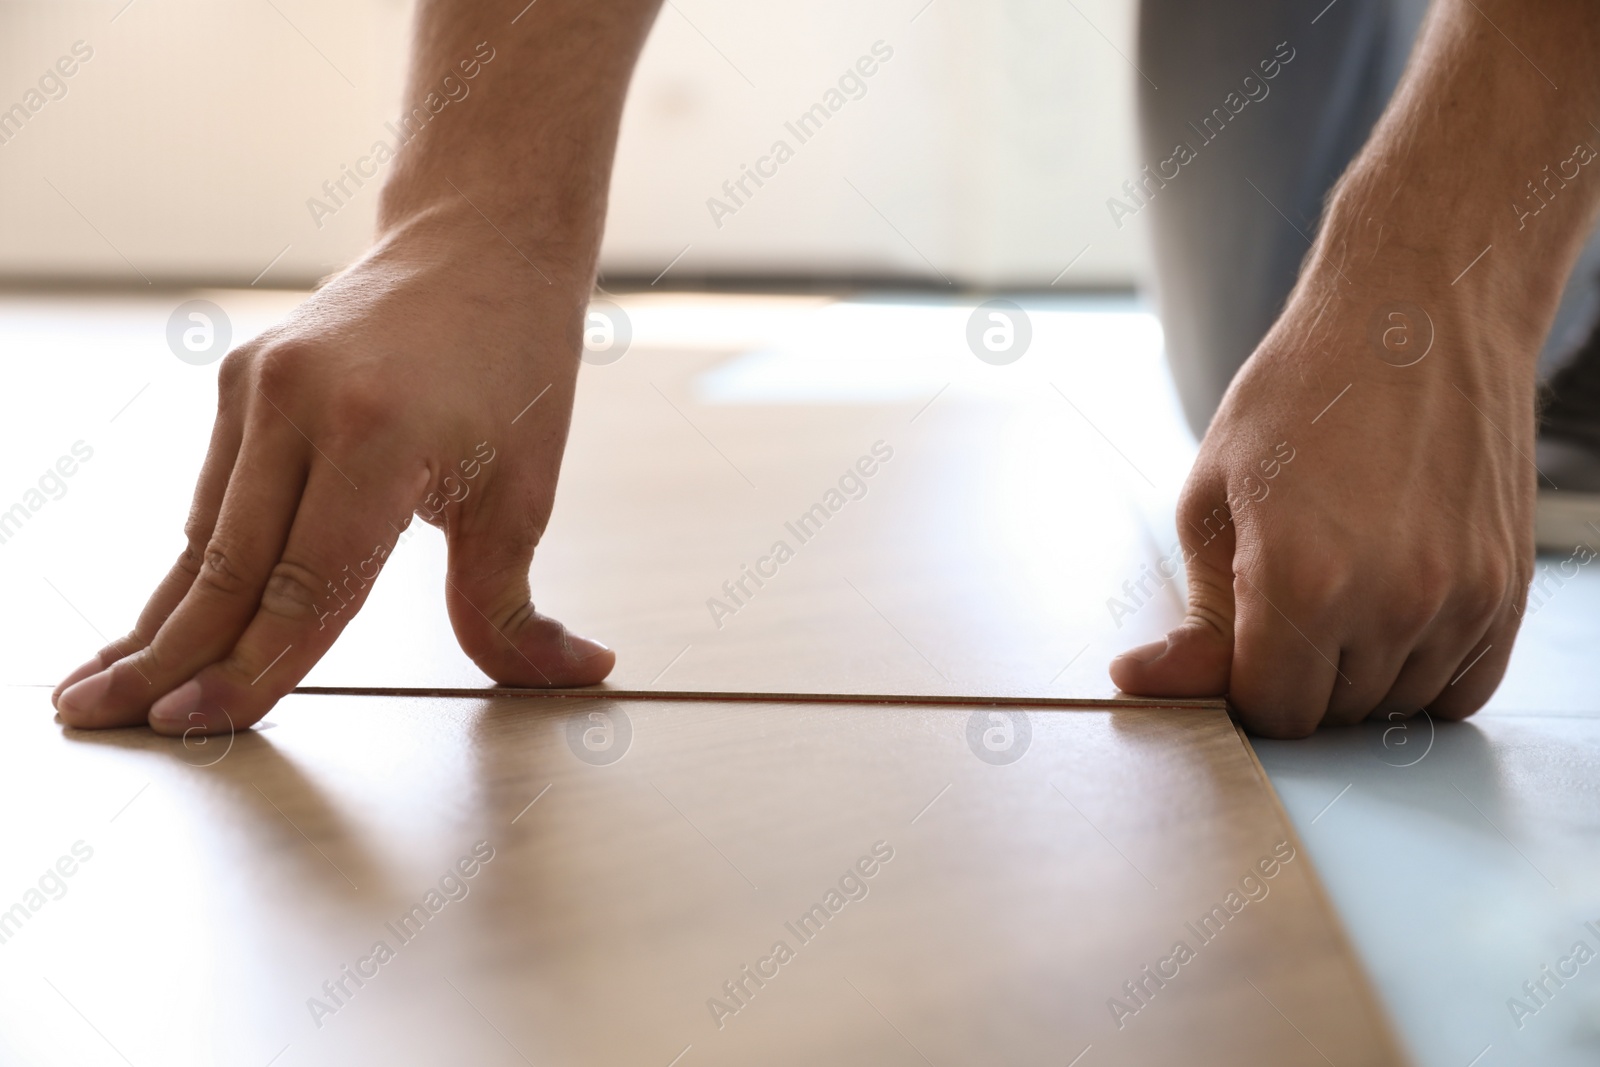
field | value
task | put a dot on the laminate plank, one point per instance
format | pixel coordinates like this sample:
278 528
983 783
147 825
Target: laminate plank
634 857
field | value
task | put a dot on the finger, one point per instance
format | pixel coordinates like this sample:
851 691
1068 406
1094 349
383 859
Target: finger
250 531
491 548
1366 674
338 543
1465 628
1194 660
1479 672
203 510
1426 673
1284 668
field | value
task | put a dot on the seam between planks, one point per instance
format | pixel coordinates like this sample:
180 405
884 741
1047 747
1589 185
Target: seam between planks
1097 703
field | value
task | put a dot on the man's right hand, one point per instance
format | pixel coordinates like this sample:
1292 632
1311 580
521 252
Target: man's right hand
435 377
401 387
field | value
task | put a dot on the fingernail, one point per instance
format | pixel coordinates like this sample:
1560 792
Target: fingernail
585 648
84 696
94 666
1144 655
175 708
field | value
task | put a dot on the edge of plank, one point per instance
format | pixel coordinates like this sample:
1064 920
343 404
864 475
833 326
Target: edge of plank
595 693
1381 1022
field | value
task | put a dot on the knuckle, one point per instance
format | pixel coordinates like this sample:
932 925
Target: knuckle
492 573
1497 574
1208 609
1428 577
515 618
1482 596
281 369
290 592
1313 588
131 674
504 607
221 573
359 408
349 406
232 375
194 550
127 644
1202 515
1413 611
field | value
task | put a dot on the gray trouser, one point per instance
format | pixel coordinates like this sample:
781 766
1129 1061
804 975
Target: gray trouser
1231 229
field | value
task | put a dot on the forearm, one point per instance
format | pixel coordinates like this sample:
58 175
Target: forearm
1486 145
528 138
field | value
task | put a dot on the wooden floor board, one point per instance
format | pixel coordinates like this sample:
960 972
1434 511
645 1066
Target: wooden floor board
1024 864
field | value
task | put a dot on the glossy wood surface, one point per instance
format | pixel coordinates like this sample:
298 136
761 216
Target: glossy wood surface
646 850
643 853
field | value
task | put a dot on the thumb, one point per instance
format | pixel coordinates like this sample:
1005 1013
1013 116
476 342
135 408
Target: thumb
493 616
1196 657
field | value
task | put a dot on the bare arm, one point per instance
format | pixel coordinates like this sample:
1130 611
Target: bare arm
1473 151
538 136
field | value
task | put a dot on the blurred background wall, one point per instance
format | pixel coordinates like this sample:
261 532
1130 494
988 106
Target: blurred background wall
186 147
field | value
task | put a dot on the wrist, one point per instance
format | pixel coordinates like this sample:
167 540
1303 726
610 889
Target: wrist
525 208
1493 289
510 128
555 238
